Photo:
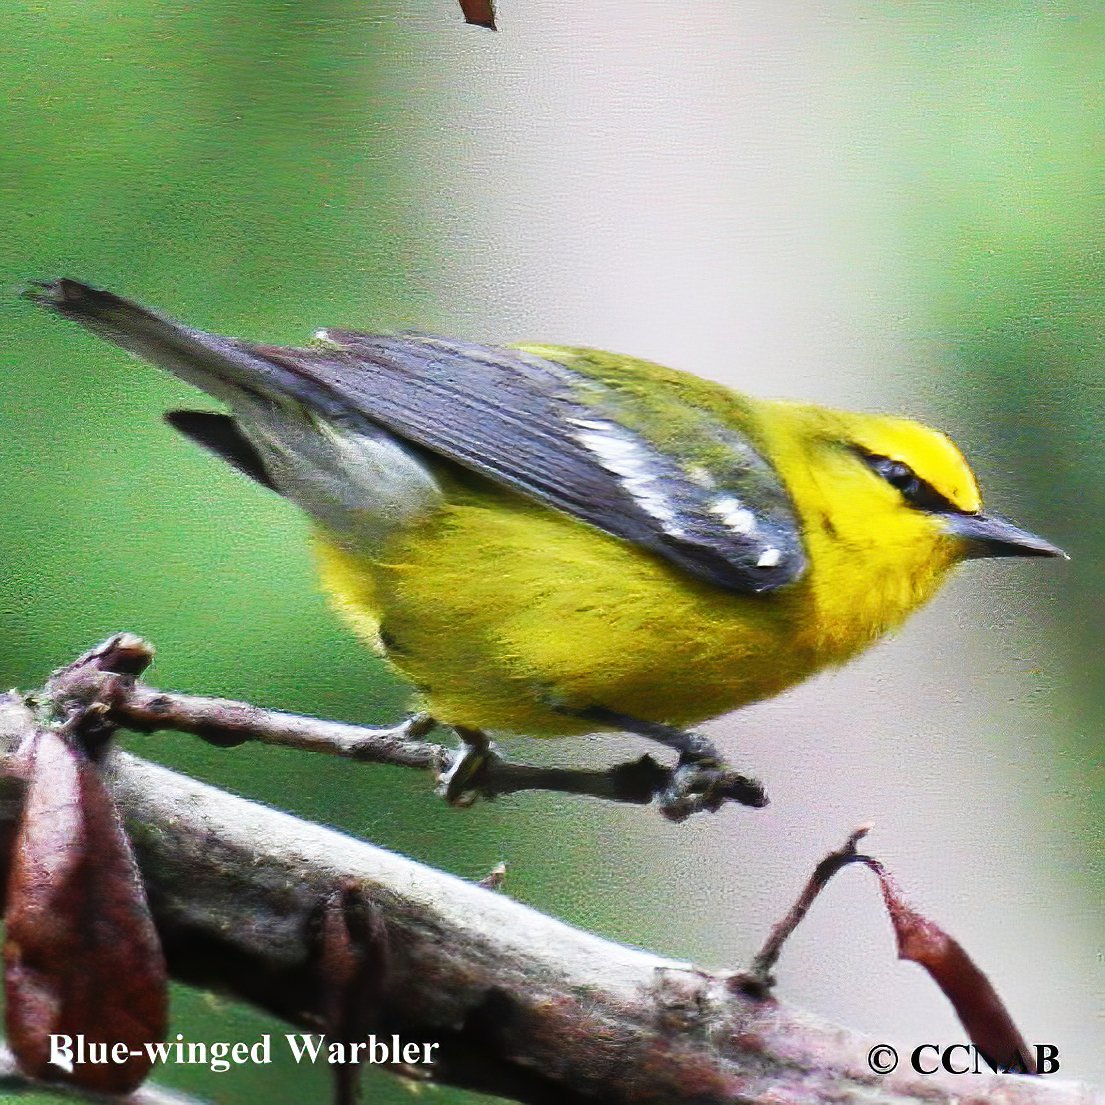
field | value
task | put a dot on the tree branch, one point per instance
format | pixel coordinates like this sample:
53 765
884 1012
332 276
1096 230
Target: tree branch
522 1005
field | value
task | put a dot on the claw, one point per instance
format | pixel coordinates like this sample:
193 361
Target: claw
461 783
416 727
699 751
703 785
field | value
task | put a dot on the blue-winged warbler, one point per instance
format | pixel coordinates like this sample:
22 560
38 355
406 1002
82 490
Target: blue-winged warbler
551 540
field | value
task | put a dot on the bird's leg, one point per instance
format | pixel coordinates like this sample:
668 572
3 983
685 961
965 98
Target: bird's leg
701 781
693 748
460 783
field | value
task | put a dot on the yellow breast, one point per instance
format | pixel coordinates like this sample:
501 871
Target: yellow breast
500 610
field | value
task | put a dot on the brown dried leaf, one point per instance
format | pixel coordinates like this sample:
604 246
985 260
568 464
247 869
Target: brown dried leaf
81 955
480 13
977 1004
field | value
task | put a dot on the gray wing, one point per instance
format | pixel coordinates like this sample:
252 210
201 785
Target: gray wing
522 421
554 434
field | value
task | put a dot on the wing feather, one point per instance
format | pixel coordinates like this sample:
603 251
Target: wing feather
560 436
576 440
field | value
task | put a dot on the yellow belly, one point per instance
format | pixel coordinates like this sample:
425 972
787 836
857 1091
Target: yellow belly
501 611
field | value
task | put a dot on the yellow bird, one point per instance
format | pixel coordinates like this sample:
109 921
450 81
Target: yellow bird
551 541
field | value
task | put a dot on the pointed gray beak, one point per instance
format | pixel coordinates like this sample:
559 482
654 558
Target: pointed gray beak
989 535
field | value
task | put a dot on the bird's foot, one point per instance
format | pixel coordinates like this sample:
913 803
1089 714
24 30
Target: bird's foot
416 727
463 778
701 782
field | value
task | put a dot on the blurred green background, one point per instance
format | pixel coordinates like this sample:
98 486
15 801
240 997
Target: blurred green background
888 206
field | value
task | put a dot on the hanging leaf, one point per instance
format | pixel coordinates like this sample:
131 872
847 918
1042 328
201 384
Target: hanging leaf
81 957
480 13
977 1004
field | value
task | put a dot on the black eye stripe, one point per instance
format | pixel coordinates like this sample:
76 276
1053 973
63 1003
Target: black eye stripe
897 474
917 492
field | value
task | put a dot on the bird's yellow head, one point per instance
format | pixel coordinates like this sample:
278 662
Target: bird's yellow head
887 499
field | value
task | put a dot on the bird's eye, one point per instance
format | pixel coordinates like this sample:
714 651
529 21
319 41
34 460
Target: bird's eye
898 475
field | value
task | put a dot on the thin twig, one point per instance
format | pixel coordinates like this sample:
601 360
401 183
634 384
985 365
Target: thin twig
223 721
494 878
107 675
758 979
